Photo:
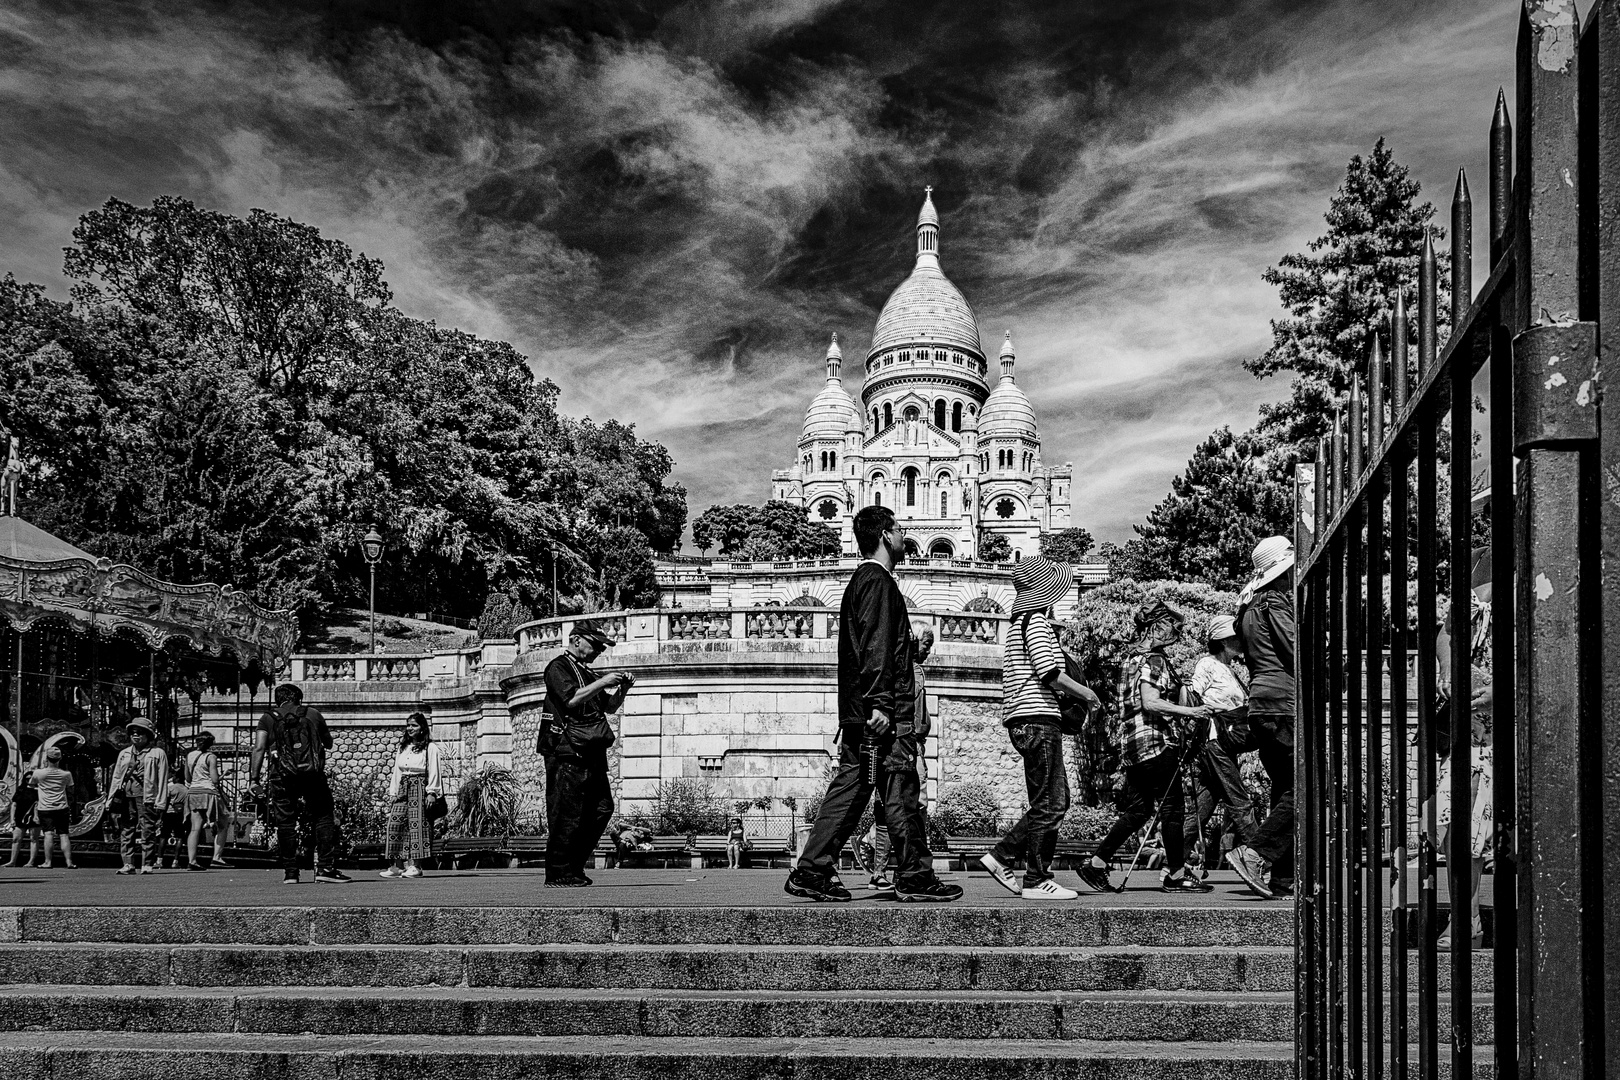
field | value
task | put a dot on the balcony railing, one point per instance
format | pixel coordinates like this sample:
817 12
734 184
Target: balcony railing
747 623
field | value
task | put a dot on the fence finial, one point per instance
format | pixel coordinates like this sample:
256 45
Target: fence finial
1375 394
1398 332
1428 306
1462 251
1355 429
1501 174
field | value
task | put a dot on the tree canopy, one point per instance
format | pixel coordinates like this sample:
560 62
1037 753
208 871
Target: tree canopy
237 400
994 547
1067 545
1237 489
777 530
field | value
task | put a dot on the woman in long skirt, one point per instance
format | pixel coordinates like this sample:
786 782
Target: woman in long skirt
412 784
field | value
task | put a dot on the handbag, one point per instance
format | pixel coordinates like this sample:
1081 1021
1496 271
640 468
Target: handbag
592 734
435 809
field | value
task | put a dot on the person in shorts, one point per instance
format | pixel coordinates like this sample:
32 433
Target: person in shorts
204 803
54 786
24 822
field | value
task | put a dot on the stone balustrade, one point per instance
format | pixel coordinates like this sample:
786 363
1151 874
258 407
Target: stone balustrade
740 624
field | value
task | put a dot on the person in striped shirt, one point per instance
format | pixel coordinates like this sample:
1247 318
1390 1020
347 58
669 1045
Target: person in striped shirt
1033 674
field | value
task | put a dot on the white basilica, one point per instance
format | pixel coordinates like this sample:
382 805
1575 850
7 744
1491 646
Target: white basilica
930 439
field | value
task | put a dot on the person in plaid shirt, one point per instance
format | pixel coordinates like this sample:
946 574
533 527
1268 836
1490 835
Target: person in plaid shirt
1150 751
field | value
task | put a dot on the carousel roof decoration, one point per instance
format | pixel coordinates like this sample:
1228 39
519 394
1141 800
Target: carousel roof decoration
48 577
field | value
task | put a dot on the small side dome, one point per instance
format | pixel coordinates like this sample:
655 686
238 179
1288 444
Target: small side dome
1007 412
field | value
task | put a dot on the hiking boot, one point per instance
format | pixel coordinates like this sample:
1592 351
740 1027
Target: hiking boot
334 877
1047 890
1004 877
1249 866
1183 882
1095 877
289 877
814 886
929 890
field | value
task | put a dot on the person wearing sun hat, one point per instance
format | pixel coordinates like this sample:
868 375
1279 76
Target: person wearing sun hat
141 772
1265 626
1033 675
1219 777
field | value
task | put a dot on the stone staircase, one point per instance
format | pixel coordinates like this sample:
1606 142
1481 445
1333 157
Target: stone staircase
865 990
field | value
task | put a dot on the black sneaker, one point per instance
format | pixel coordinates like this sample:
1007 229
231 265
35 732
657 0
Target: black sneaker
335 877
289 877
929 890
567 881
1183 883
1095 877
196 866
814 886
1282 887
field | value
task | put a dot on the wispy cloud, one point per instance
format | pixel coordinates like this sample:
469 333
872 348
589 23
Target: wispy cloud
669 211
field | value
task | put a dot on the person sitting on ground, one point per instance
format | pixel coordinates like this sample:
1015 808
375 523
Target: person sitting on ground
204 803
1034 673
736 841
412 785
1153 744
141 774
55 787
24 821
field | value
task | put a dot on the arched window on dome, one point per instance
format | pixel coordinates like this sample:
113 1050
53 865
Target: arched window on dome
877 498
888 415
905 357
913 413
832 461
939 414
956 417
824 461
875 426
911 486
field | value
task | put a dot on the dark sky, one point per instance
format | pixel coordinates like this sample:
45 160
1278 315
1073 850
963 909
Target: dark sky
669 207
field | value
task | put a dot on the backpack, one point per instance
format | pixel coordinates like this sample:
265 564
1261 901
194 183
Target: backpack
295 741
1074 712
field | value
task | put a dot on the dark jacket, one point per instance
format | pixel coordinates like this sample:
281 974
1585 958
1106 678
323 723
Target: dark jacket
1266 628
874 651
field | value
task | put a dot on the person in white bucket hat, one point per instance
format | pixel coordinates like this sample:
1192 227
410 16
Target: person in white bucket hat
1265 626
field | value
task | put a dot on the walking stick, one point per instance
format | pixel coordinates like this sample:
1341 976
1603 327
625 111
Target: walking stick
1154 820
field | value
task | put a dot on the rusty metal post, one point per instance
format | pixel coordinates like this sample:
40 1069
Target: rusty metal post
1462 251
1554 360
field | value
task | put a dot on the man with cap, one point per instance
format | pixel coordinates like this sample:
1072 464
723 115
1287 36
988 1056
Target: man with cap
574 739
878 741
141 772
1033 674
289 753
1151 753
1218 775
1265 624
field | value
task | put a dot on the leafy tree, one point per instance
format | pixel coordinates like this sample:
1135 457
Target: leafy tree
237 400
777 530
994 547
1067 545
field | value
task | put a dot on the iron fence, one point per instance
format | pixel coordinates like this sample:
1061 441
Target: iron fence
1523 626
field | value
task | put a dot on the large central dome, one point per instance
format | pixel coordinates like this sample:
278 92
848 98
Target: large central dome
926 309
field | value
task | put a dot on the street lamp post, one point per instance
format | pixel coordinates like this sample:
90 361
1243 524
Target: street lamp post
371 546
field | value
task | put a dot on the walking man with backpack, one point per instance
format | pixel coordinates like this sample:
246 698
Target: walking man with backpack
293 739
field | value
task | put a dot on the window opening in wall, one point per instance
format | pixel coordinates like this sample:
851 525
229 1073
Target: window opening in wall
828 509
944 504
912 413
1005 508
939 414
1017 555
877 498
941 549
710 766
888 416
911 487
956 417
832 459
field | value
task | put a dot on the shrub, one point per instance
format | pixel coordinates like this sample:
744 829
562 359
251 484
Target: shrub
1085 823
490 802
969 809
360 811
681 807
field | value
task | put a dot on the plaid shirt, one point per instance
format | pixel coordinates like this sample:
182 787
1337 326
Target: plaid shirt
1144 737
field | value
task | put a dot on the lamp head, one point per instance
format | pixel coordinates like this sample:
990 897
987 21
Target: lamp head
371 546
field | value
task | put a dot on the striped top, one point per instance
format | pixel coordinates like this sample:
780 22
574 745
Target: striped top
1032 655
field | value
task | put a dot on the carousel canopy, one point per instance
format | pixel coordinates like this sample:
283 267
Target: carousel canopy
42 576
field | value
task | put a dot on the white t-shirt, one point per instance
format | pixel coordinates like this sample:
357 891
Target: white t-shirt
1218 685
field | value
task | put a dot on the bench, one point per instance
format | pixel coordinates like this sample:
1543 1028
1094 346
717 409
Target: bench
609 854
703 847
514 849
967 850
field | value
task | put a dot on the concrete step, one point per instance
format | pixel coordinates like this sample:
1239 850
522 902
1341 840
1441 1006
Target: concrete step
1112 1015
709 967
94 1055
1036 923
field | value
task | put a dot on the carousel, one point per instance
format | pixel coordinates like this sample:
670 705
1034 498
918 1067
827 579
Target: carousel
88 645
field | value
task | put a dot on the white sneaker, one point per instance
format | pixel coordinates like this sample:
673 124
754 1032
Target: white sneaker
392 871
413 871
1047 890
1004 877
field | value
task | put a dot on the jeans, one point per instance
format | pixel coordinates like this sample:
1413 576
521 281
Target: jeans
1275 841
846 800
1034 837
579 805
1221 781
1145 784
138 831
293 795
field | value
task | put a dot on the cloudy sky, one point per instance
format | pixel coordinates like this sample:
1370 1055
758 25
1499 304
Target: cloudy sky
669 206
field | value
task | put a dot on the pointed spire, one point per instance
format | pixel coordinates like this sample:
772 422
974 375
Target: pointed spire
1007 357
928 231
835 360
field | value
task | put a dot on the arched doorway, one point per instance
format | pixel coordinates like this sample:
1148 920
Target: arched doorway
941 549
911 548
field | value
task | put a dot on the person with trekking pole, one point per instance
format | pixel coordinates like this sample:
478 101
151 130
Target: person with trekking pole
1154 745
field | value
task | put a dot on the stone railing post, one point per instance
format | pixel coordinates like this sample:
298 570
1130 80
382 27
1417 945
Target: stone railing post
362 668
739 625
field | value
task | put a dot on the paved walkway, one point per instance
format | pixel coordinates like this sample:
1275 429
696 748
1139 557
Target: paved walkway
523 888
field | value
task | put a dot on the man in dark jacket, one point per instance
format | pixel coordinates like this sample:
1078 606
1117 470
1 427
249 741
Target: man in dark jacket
878 740
290 747
574 739
1266 627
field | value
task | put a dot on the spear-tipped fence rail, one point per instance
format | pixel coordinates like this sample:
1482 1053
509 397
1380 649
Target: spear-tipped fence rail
1373 572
